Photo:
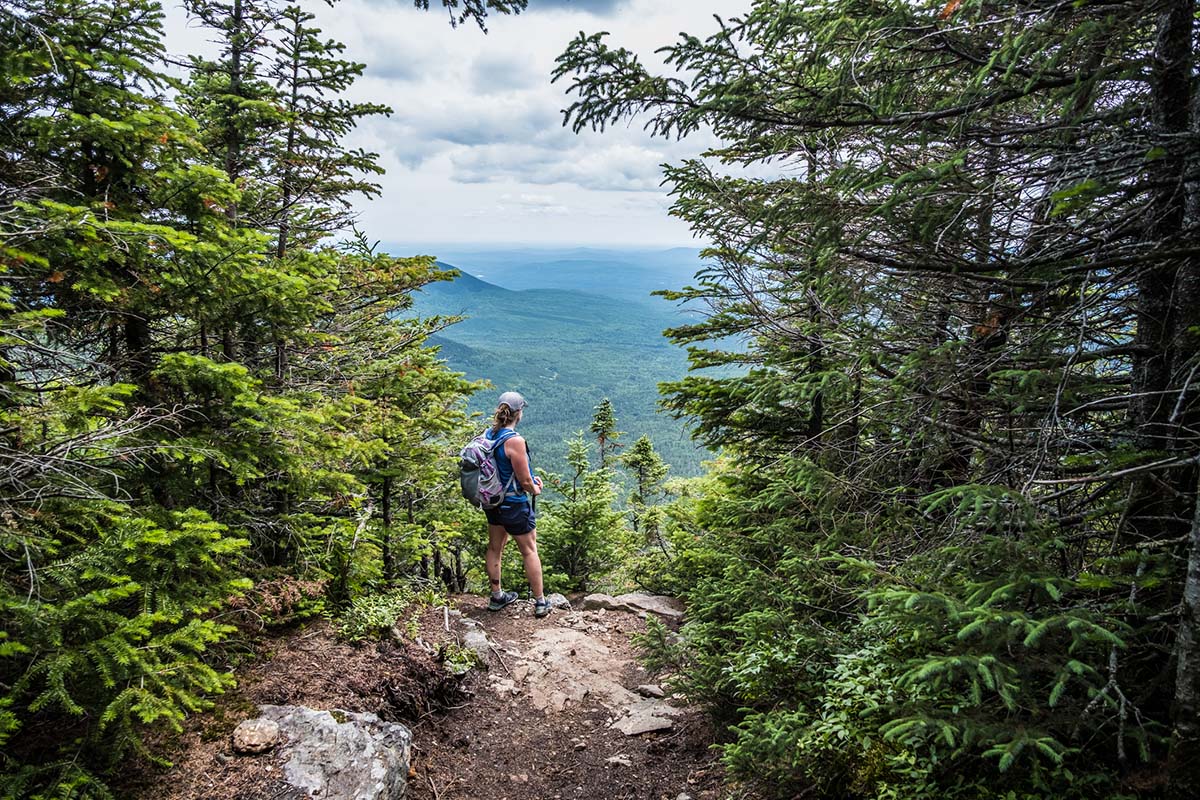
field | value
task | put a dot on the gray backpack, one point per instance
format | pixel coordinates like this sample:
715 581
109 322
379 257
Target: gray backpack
478 473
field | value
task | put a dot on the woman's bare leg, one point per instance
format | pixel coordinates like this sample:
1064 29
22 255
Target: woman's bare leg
497 538
527 544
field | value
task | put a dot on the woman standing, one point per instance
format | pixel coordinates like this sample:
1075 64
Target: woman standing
514 517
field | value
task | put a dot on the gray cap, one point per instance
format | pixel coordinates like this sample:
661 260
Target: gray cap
513 400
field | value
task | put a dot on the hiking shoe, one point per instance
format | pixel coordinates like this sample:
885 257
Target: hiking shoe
497 603
541 607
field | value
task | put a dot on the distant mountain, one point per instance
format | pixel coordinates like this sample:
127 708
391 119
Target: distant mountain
565 350
625 274
534 316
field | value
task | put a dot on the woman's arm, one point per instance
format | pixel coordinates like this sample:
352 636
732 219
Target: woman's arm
514 448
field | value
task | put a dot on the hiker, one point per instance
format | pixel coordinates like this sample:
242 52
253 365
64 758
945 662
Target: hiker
515 516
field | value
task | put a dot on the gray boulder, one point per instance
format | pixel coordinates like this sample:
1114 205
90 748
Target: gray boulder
340 754
601 602
646 716
660 604
635 602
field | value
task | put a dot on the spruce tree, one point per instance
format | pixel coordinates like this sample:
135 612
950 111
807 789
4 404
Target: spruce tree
581 535
604 427
963 422
106 617
648 471
150 454
231 96
316 175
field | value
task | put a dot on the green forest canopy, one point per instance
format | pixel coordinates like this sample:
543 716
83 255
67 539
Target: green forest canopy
953 548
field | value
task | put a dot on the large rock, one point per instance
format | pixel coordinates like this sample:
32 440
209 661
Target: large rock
474 639
563 665
646 716
660 604
664 606
599 601
339 754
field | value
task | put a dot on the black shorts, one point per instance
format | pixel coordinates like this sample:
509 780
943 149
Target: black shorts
517 518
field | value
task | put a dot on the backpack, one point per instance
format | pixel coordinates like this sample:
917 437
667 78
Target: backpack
478 473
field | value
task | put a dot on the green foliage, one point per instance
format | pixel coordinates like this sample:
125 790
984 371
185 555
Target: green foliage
459 660
120 628
648 471
944 554
580 536
604 428
195 387
373 616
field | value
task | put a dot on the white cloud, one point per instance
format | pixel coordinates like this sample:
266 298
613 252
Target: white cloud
616 167
477 130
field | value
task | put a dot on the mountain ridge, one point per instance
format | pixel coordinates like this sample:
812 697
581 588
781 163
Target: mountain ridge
565 349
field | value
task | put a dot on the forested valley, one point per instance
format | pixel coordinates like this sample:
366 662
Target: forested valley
568 348
948 545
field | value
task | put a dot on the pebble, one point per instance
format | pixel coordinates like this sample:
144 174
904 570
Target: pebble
255 736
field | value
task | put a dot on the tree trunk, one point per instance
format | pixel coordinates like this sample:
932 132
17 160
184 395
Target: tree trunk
228 344
233 144
460 572
386 544
1185 745
280 359
137 351
1157 388
1177 109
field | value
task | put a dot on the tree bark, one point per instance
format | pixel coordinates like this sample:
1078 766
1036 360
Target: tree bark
386 544
228 344
1175 59
1162 333
1185 744
137 351
233 144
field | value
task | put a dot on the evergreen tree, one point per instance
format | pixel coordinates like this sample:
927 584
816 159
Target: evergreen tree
231 97
581 537
315 175
604 427
145 472
649 471
105 605
964 424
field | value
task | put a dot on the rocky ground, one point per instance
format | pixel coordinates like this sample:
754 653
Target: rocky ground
559 714
558 708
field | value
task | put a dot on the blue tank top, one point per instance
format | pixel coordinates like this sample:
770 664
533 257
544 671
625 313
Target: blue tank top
505 467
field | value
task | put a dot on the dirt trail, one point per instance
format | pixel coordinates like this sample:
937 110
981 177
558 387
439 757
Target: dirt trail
540 723
534 725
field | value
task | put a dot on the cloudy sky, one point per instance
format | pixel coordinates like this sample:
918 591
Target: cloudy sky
475 150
